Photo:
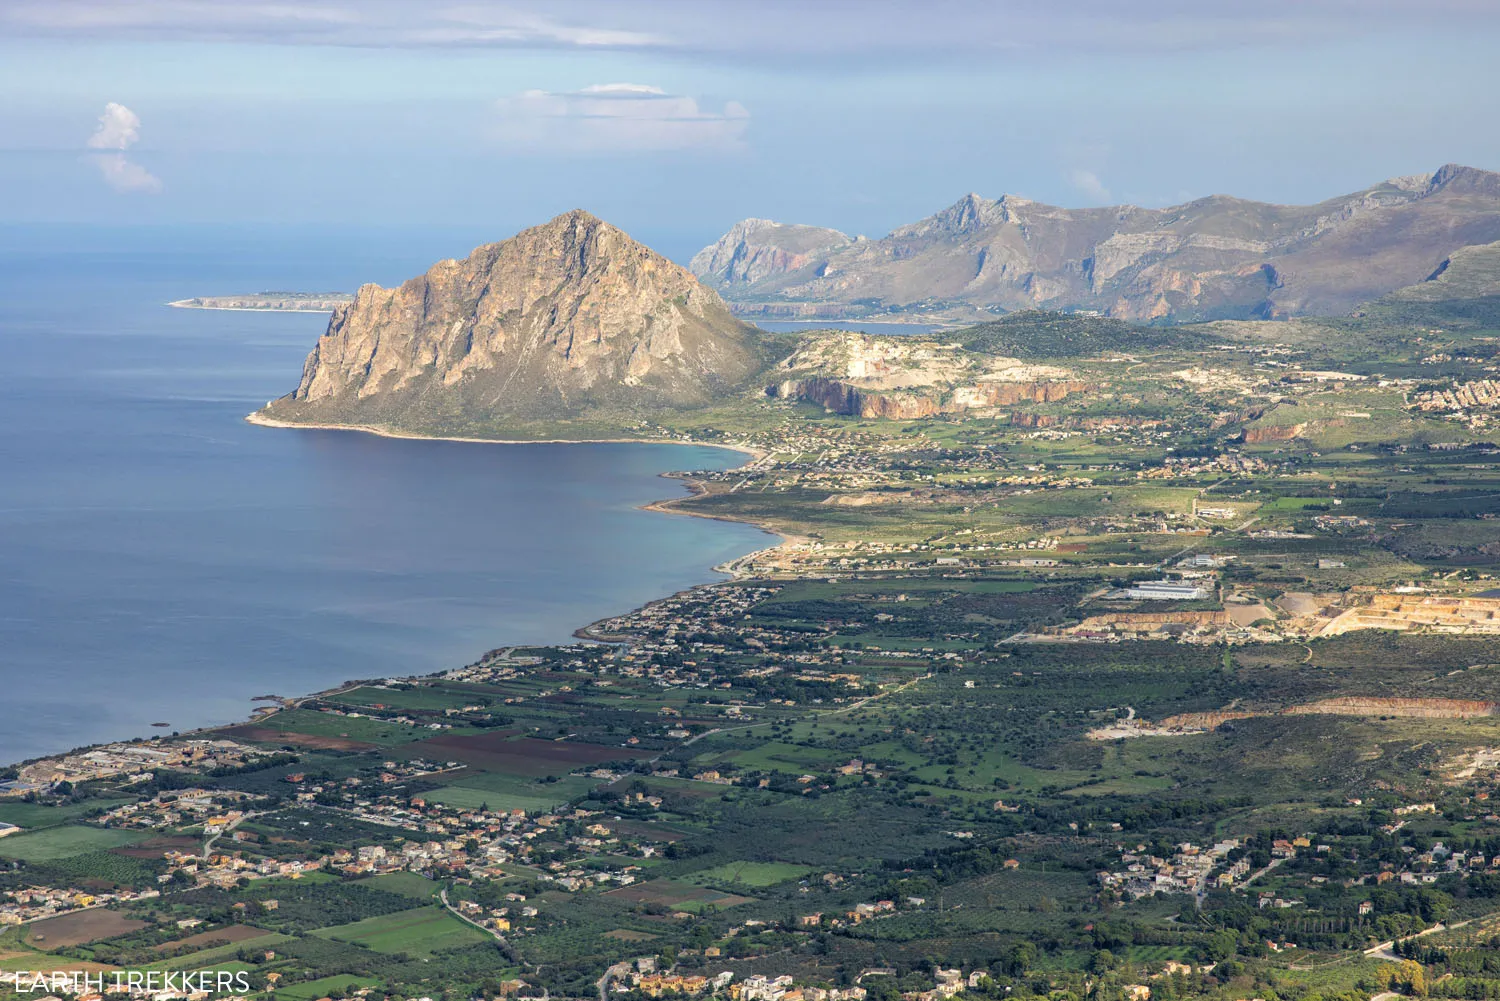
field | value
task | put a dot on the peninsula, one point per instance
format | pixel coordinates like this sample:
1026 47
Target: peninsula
280 302
1100 660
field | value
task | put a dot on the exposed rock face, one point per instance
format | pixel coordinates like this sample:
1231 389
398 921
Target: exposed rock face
557 320
1217 257
843 398
1420 708
755 249
1273 432
1474 616
907 378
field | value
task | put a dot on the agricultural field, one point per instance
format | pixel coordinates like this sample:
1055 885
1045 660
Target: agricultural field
752 874
310 990
79 928
942 726
423 932
408 884
63 842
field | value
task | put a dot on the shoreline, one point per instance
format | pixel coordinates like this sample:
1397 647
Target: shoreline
667 505
585 632
188 304
271 422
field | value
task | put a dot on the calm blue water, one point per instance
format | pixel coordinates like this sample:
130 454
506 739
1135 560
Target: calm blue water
161 560
793 326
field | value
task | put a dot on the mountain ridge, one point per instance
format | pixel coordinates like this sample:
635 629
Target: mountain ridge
1216 257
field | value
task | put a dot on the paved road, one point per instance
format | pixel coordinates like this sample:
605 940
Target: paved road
505 947
618 970
208 846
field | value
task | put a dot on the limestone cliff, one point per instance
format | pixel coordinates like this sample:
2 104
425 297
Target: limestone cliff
907 378
563 319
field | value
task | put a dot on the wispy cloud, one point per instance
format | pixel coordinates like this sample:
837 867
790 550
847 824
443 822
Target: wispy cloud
617 117
325 22
119 128
770 29
1088 182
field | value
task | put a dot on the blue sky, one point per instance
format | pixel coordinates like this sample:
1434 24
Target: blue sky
675 119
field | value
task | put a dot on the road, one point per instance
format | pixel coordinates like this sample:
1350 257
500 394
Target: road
1383 950
208 845
618 970
505 947
1244 884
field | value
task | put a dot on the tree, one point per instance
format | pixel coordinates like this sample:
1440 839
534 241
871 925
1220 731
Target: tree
1020 958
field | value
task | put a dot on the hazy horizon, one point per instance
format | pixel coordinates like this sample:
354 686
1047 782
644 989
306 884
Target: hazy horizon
675 121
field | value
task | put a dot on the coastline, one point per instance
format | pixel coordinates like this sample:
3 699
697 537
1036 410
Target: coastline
586 632
667 505
188 304
271 422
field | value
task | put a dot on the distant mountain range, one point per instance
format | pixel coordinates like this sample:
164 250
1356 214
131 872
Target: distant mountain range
1214 258
572 328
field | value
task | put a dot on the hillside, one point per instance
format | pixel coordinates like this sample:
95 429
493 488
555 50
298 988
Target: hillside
1213 258
1464 290
565 319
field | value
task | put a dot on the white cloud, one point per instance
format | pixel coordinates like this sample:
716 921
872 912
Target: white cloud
124 175
119 129
1088 182
617 117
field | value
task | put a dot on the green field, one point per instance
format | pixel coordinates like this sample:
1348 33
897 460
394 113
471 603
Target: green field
508 792
408 884
63 842
216 957
311 989
361 728
756 874
421 931
33 816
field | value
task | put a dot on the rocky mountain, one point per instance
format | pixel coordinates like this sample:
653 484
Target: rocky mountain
1217 257
756 249
568 318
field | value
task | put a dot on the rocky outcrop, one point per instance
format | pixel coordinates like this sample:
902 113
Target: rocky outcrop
908 378
1217 257
1201 721
561 319
1273 432
842 398
756 249
1417 708
1471 616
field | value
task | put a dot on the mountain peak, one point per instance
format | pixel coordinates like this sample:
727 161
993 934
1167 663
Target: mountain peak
1456 176
1219 256
970 213
563 318
755 248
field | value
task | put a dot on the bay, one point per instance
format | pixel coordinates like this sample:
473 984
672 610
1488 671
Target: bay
163 561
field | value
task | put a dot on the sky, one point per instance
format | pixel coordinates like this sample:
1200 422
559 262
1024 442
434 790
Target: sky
676 118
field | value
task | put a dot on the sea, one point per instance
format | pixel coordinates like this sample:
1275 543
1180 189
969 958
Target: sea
164 562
